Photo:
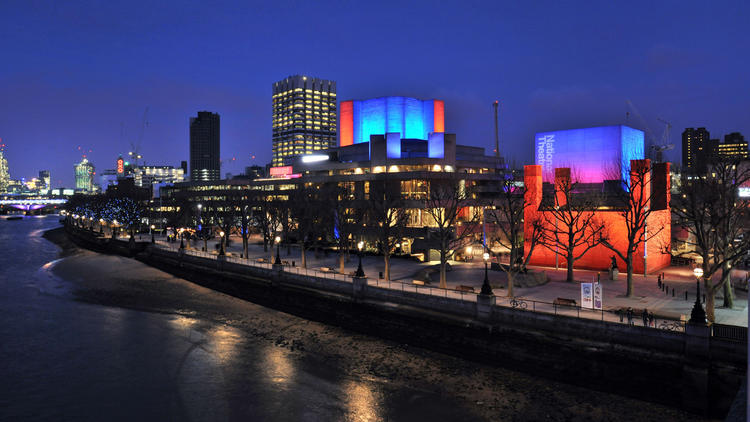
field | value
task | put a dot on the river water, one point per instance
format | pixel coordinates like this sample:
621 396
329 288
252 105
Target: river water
85 336
67 359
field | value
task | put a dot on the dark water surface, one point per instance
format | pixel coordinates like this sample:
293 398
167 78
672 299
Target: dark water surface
64 359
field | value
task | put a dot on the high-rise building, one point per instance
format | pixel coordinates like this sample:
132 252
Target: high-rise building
304 117
44 176
4 173
734 146
146 176
696 149
205 163
84 176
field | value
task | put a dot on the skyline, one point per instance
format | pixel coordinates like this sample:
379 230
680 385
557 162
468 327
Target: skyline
78 71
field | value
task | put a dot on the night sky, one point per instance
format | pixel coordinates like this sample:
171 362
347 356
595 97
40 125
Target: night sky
72 72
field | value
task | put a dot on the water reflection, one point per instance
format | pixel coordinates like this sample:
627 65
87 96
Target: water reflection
362 401
278 366
225 342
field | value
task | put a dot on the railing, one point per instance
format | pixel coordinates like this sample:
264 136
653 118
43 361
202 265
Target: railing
517 303
730 332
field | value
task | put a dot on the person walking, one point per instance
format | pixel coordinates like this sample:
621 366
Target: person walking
621 313
645 317
658 280
630 316
651 319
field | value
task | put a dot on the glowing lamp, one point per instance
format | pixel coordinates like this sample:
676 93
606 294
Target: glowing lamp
486 256
278 239
360 245
698 272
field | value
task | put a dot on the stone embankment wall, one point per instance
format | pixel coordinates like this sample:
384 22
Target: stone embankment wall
689 370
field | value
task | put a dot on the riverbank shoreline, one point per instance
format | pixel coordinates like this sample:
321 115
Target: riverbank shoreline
490 392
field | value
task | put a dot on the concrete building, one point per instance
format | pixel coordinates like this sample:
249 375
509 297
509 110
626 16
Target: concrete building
84 172
44 176
146 176
4 173
697 148
733 147
304 117
205 147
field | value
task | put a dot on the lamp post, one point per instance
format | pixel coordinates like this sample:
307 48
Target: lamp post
222 252
697 315
182 242
486 288
360 272
277 261
152 233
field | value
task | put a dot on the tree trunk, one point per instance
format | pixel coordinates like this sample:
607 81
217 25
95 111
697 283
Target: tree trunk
726 276
569 260
205 244
511 276
342 262
443 275
710 301
304 257
265 243
387 259
288 247
244 245
629 263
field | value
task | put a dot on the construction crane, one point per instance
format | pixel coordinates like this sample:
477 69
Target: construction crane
656 149
134 152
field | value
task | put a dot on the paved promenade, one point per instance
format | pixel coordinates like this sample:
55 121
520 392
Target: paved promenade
647 294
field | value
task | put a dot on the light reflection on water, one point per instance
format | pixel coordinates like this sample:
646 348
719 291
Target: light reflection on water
278 366
363 403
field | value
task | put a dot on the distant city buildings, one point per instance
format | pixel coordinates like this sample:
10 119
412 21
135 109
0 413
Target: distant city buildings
44 176
304 117
205 161
698 149
84 172
147 176
4 173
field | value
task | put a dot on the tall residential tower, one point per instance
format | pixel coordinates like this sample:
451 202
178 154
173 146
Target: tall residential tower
696 149
84 176
304 117
205 163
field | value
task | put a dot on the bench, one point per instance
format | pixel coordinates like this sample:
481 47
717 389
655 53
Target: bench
417 282
561 301
464 288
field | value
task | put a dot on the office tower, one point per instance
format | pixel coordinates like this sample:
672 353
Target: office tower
734 147
304 117
44 176
84 176
183 166
696 149
4 173
204 147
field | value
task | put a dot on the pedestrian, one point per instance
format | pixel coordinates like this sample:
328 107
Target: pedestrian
621 313
630 316
645 317
658 280
651 319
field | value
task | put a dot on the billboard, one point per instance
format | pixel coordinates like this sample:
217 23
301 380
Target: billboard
593 154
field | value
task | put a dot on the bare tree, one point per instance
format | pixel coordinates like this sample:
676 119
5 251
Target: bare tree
262 215
634 202
717 221
453 211
507 214
387 215
571 223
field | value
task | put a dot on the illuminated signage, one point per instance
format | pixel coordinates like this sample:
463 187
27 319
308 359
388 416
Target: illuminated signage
281 171
593 154
744 192
314 158
120 166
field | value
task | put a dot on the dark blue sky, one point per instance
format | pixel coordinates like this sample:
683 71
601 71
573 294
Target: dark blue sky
73 71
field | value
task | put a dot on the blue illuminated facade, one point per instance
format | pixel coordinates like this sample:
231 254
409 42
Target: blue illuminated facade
593 154
411 118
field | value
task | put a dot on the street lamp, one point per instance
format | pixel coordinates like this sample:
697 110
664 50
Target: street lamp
469 250
697 315
221 248
486 288
277 261
152 233
360 272
182 242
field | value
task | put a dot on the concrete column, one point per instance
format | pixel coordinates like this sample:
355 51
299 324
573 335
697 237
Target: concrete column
695 368
484 307
359 287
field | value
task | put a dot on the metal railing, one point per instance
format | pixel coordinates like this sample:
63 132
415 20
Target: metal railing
730 332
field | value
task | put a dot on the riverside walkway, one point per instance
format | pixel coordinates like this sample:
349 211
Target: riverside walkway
670 311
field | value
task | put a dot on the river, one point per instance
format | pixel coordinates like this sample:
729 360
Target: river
85 336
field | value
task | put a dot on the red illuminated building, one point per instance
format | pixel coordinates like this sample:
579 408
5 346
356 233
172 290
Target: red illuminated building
543 197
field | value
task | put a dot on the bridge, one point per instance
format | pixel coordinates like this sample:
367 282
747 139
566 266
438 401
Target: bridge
31 203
